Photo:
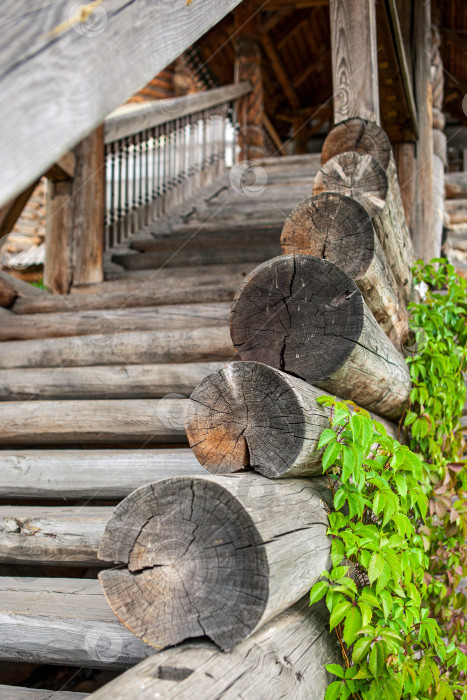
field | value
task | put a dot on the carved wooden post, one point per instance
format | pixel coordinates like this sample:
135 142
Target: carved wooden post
75 220
439 139
250 109
354 59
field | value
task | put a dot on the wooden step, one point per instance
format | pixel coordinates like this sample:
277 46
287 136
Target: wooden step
139 422
176 316
11 692
99 474
218 238
182 276
140 347
63 621
101 382
212 256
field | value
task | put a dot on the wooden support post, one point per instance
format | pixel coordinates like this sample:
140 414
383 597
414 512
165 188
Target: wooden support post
406 164
354 59
439 139
305 316
75 219
338 228
214 556
251 415
423 223
251 108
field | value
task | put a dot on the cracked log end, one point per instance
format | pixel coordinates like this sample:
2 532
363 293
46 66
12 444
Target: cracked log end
196 564
355 175
248 414
358 135
297 313
333 227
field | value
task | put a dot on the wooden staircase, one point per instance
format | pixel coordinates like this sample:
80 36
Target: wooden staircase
93 387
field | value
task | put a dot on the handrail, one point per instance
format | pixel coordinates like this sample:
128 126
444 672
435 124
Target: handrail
130 119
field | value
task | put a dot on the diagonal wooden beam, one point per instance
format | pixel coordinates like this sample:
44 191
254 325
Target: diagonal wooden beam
11 211
281 73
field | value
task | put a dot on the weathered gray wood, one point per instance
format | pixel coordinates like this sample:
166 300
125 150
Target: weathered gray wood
103 382
286 659
338 228
60 535
63 621
305 316
103 474
249 415
129 422
171 277
111 321
456 209
361 177
212 556
143 347
213 256
57 80
22 289
136 117
455 185
354 59
218 237
10 692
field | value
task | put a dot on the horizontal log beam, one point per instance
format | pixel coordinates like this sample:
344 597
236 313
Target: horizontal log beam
10 692
287 657
104 474
304 315
455 185
186 578
249 415
58 67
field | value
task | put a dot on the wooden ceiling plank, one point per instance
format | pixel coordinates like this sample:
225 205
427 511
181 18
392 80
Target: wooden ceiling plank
280 71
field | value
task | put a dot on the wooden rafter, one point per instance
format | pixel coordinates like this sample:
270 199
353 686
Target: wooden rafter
279 69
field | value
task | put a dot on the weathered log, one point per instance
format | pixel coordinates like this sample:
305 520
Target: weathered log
7 294
455 185
213 556
286 659
307 317
338 228
103 382
128 422
142 347
251 415
104 474
96 322
456 209
354 177
63 621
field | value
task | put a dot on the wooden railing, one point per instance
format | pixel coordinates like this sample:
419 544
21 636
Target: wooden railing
158 155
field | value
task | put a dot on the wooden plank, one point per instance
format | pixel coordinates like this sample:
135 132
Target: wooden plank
57 84
10 692
285 659
170 317
63 621
280 71
11 211
354 59
64 168
140 347
105 474
130 119
103 382
129 422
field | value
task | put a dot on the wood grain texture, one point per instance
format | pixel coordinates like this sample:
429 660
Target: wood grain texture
362 177
338 228
110 321
140 347
63 621
103 382
105 474
286 658
354 59
305 316
129 422
212 556
455 185
10 692
56 79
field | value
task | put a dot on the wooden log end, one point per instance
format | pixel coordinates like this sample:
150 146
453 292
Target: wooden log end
195 564
358 135
333 227
356 175
249 415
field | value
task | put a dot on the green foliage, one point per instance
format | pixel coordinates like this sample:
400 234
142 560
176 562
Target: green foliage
40 284
391 647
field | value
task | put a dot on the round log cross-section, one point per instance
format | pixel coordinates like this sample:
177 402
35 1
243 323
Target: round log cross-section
304 315
338 228
212 556
358 135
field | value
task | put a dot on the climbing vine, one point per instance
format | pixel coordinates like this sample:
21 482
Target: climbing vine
399 522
